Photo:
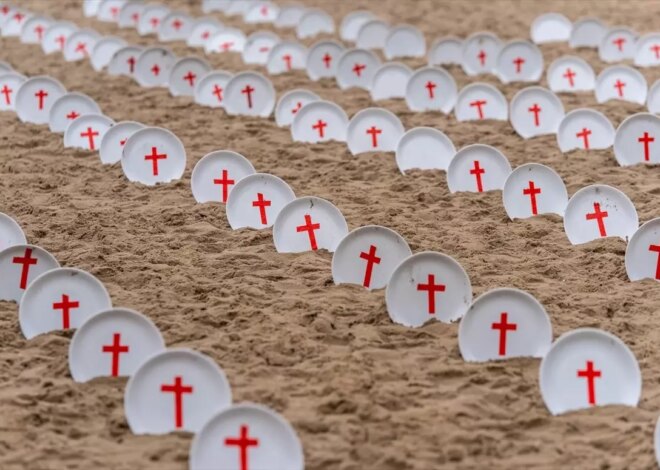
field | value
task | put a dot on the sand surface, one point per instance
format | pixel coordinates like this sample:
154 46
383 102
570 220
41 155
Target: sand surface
361 392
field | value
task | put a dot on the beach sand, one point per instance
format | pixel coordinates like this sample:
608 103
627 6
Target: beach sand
361 392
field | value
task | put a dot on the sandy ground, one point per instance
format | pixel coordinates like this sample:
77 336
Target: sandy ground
361 392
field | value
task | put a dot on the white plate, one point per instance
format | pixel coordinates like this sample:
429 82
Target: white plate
309 223
502 324
113 141
184 75
19 266
479 101
210 88
68 107
477 168
113 343
356 68
216 173
637 140
87 131
535 111
428 286
599 211
175 390
431 89
35 97
290 103
61 299
374 130
11 233
249 94
153 155
368 256
589 367
424 148
551 27
534 189
247 436
643 252
584 129
256 200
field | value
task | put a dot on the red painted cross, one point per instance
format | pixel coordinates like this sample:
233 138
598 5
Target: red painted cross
504 326
309 227
532 191
244 443
4 9
155 69
619 86
131 63
287 59
430 86
656 248
6 91
358 68
536 109
569 75
190 77
327 58
656 49
482 58
584 133
590 374
206 35
518 61
599 216
217 91
154 22
61 39
264 10
431 287
225 46
646 139
374 131
26 260
178 389
66 306
176 24
82 48
478 104
247 91
114 11
320 126
116 348
477 171
135 17
90 134
154 157
122 142
41 95
72 115
264 49
297 108
262 203
371 259
19 17
225 182
619 43
39 29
